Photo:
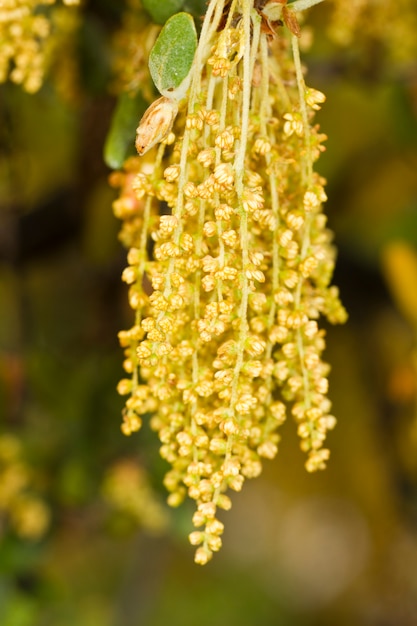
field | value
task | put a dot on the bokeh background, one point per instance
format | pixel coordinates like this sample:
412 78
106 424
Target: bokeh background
85 535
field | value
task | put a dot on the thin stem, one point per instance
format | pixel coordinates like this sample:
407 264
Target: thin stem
222 126
143 242
239 170
248 55
307 174
247 78
274 198
211 21
303 108
196 304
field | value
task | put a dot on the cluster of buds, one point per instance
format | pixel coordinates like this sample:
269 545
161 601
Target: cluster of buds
230 264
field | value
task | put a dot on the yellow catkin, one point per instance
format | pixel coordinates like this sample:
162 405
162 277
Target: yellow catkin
227 304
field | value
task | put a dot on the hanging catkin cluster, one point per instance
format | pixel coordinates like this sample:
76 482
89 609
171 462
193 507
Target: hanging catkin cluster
230 264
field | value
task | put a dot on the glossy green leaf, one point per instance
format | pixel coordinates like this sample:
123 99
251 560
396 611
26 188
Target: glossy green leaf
172 56
120 140
161 10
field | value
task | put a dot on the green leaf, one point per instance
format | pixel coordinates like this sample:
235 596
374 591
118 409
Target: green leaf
172 56
120 140
161 10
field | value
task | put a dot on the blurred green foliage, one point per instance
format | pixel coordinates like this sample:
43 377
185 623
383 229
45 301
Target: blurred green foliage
335 548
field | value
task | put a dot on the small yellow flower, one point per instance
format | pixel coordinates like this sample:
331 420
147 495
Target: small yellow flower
293 124
314 98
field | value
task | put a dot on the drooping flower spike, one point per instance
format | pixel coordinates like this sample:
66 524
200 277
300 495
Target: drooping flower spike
229 295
